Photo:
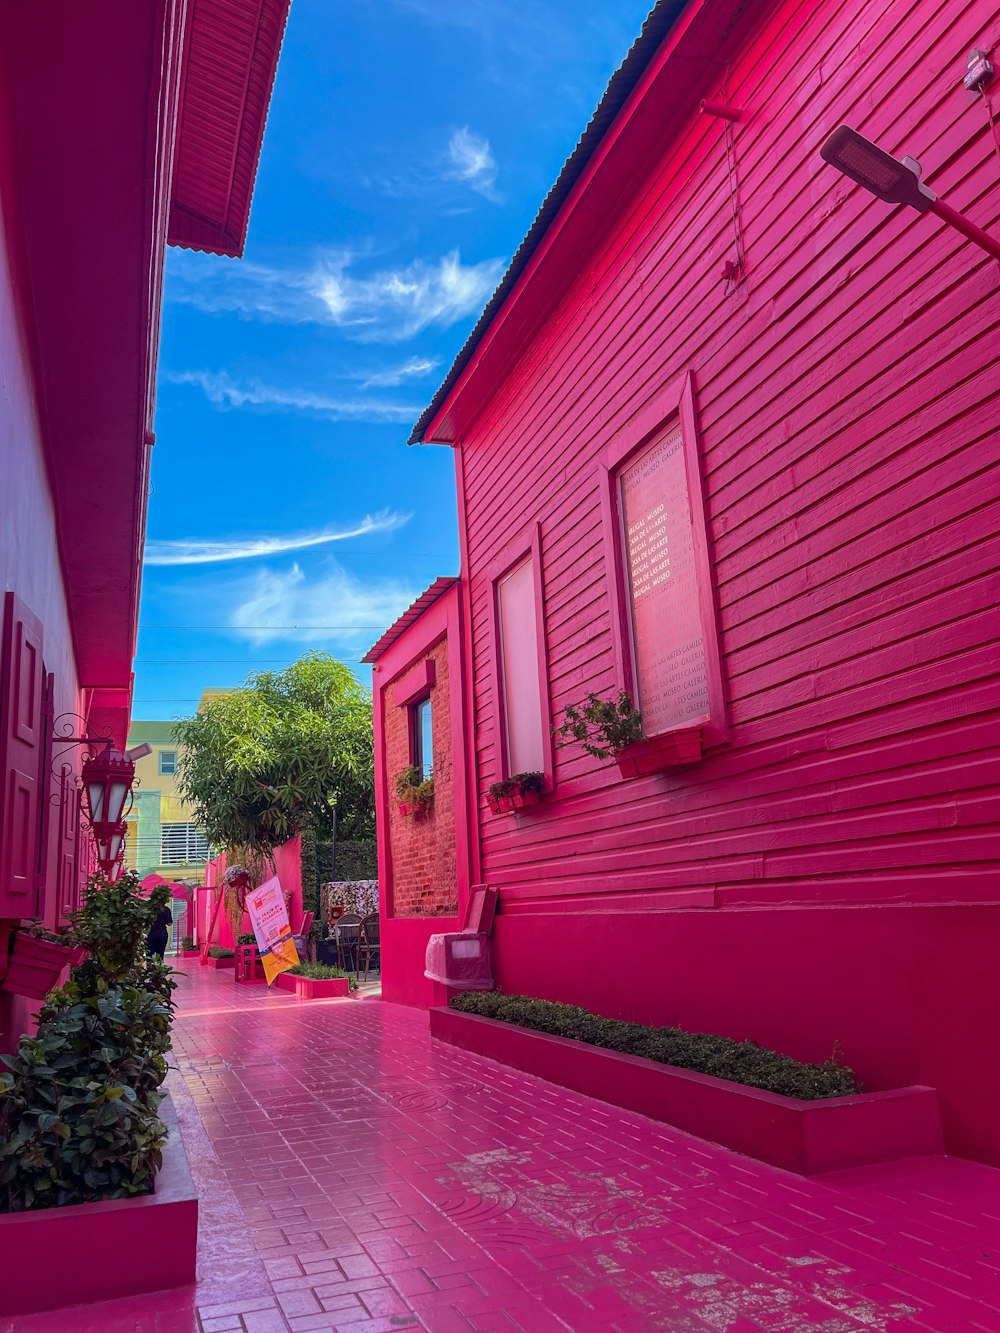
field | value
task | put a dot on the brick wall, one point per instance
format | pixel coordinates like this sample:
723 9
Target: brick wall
423 849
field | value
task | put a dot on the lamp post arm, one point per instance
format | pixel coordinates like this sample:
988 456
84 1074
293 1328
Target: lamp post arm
968 229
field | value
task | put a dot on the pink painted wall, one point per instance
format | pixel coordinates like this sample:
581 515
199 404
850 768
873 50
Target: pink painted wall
404 935
845 398
287 866
29 564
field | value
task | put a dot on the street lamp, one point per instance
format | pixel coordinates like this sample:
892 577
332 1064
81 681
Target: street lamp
110 843
107 780
896 181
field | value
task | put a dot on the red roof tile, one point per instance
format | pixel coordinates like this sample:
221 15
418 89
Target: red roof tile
230 57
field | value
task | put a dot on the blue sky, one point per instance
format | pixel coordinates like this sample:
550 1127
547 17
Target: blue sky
409 145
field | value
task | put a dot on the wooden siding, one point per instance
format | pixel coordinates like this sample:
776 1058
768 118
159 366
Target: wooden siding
847 396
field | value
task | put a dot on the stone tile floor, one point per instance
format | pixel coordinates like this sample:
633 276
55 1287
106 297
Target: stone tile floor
355 1176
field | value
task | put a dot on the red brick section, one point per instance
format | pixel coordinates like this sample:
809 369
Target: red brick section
423 849
355 1177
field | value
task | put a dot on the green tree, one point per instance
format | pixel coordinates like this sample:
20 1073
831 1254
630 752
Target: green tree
280 756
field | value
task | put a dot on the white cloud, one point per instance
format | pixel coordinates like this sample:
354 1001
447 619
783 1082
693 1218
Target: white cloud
390 305
414 368
221 389
189 551
273 600
472 161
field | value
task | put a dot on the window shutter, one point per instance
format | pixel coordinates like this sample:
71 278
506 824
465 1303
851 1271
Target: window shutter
22 751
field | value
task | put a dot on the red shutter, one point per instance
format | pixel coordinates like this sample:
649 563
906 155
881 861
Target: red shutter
22 752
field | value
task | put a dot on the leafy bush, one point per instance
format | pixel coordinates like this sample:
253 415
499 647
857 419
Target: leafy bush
187 944
78 1117
738 1061
247 938
113 922
217 951
603 726
321 972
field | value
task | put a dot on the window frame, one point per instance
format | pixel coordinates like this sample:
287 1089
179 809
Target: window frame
416 735
674 403
527 545
161 771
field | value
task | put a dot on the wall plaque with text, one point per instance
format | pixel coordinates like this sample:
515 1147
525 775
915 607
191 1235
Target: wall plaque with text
669 650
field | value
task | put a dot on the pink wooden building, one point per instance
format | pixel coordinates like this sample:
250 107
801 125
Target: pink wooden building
725 438
124 127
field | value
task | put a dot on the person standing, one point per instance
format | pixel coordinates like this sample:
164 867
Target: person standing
156 940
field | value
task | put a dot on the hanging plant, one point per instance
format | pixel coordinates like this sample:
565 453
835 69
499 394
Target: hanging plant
236 884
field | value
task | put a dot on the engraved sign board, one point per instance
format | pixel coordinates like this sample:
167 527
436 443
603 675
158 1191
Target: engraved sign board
671 667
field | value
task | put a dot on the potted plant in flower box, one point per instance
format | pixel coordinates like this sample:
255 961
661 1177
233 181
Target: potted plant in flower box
414 792
500 795
37 958
516 792
612 729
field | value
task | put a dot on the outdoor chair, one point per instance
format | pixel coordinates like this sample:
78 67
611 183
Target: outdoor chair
368 943
346 933
300 937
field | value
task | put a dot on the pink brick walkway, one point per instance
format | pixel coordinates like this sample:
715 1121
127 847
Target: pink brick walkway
355 1177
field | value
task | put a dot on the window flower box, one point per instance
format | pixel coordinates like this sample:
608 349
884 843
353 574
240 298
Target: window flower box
516 793
656 754
36 964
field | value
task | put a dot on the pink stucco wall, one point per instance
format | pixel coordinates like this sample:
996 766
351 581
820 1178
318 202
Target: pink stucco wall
287 866
29 563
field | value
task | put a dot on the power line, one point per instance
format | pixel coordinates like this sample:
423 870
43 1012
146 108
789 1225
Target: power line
237 628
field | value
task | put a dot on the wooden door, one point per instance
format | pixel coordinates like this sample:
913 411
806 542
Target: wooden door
22 758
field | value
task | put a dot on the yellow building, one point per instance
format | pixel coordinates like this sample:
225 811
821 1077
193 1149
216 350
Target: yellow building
162 834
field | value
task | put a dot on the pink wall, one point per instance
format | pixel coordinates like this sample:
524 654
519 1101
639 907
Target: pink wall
287 866
910 993
29 564
404 937
844 401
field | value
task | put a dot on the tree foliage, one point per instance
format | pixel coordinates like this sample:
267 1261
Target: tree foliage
277 756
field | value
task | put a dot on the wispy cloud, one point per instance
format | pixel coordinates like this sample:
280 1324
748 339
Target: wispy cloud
273 600
221 389
390 305
415 368
191 551
472 161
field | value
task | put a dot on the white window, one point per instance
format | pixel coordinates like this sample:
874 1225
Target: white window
181 843
519 657
168 762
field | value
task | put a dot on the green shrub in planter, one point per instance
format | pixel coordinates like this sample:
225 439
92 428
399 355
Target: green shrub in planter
78 1117
738 1061
78 1108
321 972
217 951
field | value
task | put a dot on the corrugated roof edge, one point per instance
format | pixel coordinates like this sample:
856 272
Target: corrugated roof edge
659 22
411 614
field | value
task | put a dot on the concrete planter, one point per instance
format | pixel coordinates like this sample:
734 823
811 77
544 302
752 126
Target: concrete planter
218 963
805 1137
308 989
60 1257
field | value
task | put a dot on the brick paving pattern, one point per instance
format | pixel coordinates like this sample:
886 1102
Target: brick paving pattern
356 1177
